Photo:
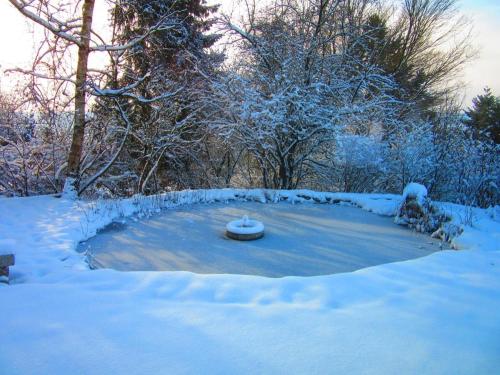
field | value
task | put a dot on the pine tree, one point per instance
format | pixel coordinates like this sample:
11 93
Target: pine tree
175 58
484 116
180 40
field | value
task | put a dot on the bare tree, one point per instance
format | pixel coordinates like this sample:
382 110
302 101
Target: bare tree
425 44
297 86
34 141
70 26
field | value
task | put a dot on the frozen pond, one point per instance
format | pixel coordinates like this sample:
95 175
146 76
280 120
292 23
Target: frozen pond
300 240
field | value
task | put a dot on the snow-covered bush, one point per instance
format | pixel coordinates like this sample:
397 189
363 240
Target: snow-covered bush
410 156
33 149
466 171
415 207
352 163
298 108
416 210
290 94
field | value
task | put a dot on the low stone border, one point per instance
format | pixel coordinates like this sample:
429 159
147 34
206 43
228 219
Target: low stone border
5 262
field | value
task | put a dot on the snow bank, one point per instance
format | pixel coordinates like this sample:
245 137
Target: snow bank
478 228
417 316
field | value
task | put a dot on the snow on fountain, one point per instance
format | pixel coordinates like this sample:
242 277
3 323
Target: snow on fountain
245 229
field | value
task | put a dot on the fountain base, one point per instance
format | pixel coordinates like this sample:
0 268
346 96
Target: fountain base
244 237
245 229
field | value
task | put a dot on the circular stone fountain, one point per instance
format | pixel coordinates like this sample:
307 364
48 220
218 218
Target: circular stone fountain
245 229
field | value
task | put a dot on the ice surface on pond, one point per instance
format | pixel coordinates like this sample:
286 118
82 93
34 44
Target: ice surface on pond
301 240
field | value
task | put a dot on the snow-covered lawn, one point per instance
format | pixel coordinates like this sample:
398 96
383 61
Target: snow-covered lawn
436 314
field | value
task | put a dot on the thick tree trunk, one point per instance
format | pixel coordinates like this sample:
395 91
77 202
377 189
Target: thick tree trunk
75 153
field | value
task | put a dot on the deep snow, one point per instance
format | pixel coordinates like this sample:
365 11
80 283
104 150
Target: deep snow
300 240
434 315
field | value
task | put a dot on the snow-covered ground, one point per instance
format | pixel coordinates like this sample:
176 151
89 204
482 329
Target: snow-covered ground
436 314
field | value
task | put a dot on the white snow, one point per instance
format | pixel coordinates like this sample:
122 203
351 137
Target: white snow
417 191
432 315
245 226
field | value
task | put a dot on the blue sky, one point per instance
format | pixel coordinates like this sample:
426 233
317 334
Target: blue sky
485 70
481 3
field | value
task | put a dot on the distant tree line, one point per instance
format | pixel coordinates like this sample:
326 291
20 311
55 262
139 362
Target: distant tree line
332 95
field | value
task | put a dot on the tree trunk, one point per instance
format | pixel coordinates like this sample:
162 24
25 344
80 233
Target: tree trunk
75 153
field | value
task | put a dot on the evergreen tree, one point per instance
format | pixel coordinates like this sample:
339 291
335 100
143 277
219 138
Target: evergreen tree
484 116
175 58
179 41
